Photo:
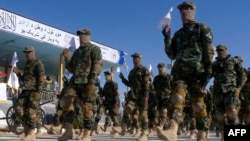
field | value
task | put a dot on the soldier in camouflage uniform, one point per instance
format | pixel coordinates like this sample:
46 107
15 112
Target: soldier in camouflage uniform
191 48
162 85
138 81
245 100
228 81
111 103
27 104
85 65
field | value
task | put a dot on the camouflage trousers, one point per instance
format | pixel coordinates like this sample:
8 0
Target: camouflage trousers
244 113
69 109
136 115
153 117
179 92
113 112
28 108
130 114
86 105
227 107
245 102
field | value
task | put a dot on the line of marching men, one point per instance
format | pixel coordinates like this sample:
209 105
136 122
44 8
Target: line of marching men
142 117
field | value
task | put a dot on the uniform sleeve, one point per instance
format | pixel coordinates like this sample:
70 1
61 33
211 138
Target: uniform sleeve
41 75
96 68
170 47
117 99
146 81
69 63
241 74
208 50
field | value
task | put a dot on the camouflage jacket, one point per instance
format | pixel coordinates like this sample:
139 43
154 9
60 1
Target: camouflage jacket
110 92
162 85
228 74
152 101
245 92
33 76
191 48
85 64
138 81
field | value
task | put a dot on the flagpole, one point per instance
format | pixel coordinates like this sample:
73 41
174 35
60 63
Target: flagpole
60 72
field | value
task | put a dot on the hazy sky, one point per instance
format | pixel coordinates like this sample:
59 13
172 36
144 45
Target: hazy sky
132 25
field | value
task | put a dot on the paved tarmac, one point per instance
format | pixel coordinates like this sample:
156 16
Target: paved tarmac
103 137
50 109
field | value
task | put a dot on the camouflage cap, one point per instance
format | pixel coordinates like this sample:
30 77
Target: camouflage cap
28 49
221 47
186 3
136 55
161 65
107 72
83 31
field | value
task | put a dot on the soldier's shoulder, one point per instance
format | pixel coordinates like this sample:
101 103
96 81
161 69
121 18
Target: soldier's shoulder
203 25
95 47
178 32
157 76
39 62
115 83
145 68
169 75
238 59
215 62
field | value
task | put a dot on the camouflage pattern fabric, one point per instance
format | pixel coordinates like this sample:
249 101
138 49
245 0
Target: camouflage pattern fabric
153 112
245 98
138 81
29 99
162 85
228 75
86 65
111 102
191 48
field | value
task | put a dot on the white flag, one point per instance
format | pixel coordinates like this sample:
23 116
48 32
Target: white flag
13 81
150 69
215 54
118 69
170 66
72 45
166 20
67 74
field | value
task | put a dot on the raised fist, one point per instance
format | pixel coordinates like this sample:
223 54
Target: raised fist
166 32
65 53
16 70
121 75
